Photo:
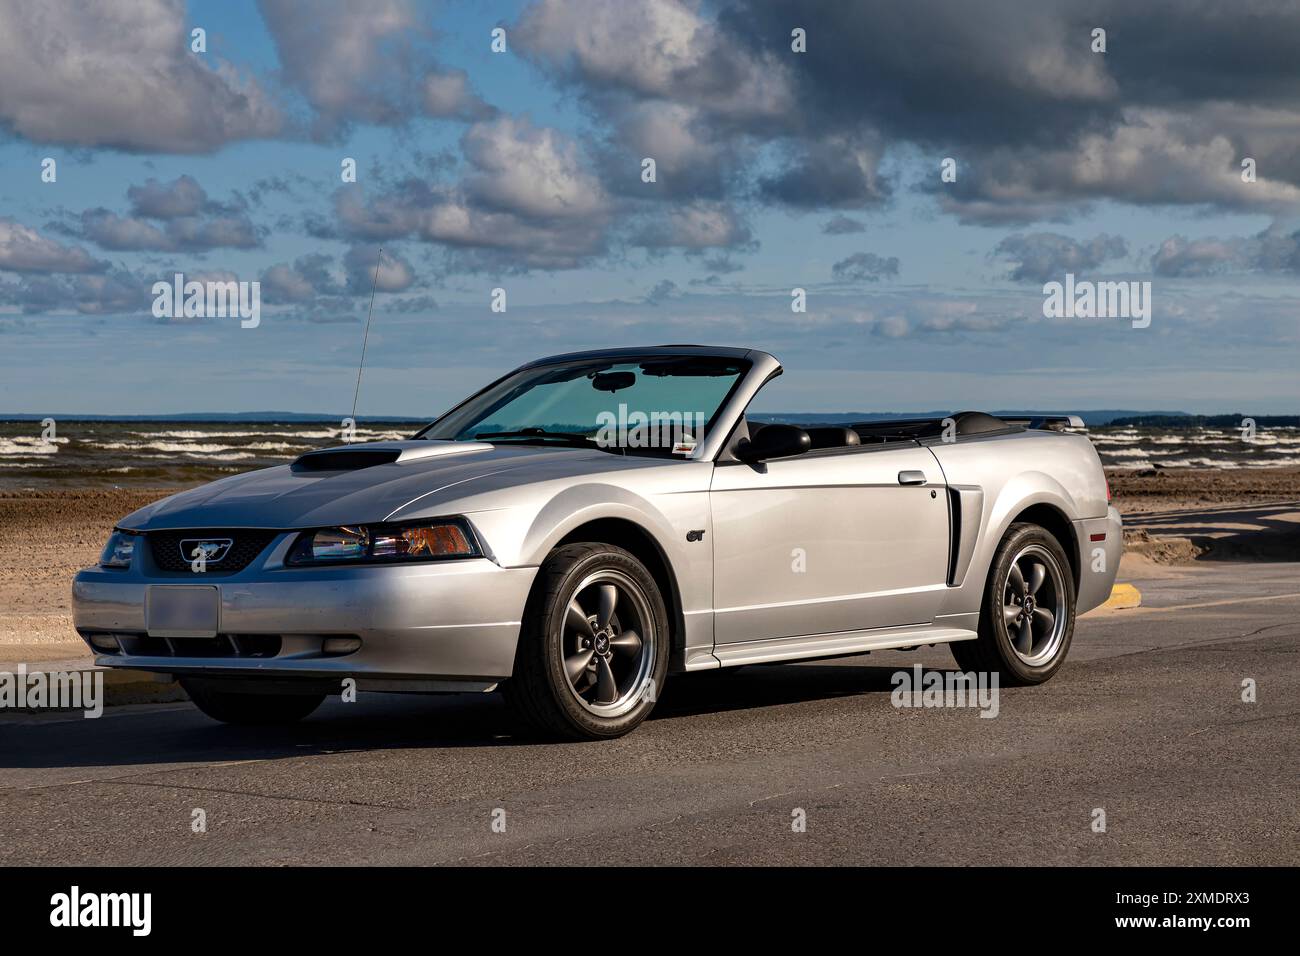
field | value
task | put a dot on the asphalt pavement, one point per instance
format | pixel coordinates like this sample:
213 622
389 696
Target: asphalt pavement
1144 728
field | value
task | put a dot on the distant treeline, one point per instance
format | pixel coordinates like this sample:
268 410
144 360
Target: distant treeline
1207 421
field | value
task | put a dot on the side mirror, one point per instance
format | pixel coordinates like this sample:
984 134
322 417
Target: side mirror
774 441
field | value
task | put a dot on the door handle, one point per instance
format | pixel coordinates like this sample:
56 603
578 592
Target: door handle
911 477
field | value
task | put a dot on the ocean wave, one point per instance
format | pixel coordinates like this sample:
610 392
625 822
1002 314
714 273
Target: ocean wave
22 447
195 433
301 439
1200 463
286 432
1195 439
178 447
1133 464
276 446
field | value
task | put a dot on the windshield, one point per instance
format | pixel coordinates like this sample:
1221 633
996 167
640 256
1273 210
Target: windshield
662 405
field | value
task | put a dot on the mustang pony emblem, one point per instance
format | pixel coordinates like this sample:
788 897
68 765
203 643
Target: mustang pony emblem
207 550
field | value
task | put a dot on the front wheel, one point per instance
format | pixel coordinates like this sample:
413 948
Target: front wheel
1027 618
593 648
231 707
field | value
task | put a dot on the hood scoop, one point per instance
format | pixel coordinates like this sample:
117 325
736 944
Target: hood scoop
354 457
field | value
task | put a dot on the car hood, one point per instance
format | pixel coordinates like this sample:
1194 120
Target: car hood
294 496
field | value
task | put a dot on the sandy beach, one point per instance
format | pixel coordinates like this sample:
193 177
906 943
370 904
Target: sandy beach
45 538
1176 489
1171 517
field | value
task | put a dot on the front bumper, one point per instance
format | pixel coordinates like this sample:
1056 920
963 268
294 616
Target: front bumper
450 621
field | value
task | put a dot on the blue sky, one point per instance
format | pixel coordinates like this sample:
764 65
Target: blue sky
522 170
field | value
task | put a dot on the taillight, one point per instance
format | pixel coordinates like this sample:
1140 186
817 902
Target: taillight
1107 491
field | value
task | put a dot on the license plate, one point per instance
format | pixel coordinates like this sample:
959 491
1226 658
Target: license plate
181 610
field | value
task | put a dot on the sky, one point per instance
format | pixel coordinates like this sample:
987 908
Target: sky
523 169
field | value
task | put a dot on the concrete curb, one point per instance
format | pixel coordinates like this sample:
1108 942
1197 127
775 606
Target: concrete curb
120 686
1123 596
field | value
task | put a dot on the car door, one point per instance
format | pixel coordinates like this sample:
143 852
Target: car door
832 540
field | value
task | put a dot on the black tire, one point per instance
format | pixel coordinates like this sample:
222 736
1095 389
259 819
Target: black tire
540 691
995 649
231 707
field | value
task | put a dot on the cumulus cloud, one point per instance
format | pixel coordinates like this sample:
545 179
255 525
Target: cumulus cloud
343 56
217 232
447 95
109 293
694 226
183 196
411 305
691 159
1180 257
661 49
1041 125
527 199
663 80
1043 256
119 74
1153 158
188 234
828 172
842 226
121 233
723 263
23 249
864 267
306 278
394 274
663 290
366 62
1275 250
174 216
530 170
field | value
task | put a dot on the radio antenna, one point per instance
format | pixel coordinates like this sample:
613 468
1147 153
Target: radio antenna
366 338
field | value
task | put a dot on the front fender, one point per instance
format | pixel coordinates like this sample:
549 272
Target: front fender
524 535
574 507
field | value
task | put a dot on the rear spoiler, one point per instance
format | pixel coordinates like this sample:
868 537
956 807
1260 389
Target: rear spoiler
1048 422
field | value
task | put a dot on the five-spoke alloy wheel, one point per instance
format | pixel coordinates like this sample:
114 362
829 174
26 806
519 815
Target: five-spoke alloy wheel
1027 618
593 649
609 650
1033 604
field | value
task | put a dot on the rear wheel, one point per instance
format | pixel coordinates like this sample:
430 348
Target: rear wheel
232 707
593 649
1027 617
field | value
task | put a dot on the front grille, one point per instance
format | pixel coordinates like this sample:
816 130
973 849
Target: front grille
223 645
246 545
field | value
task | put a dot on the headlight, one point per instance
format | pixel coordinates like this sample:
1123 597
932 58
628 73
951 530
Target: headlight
119 550
380 543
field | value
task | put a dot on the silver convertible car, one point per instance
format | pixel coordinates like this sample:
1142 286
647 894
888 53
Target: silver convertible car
592 523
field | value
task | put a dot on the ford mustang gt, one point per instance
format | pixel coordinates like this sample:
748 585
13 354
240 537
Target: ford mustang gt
592 523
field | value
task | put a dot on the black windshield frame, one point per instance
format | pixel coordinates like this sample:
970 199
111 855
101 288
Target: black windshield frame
449 425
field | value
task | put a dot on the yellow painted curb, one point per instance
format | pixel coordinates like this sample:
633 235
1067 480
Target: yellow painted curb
1124 596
